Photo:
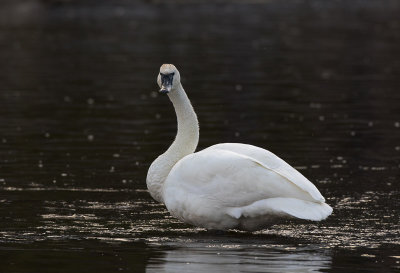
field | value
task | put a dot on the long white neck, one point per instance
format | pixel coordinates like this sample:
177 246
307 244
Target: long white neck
185 143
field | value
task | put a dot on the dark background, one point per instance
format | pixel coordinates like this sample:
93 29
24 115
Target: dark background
315 82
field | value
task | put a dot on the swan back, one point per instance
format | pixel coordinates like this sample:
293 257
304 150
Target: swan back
274 163
221 188
228 178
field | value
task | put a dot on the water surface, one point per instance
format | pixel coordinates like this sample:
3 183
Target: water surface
315 82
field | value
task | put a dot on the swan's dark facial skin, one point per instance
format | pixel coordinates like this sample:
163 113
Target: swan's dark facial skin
166 82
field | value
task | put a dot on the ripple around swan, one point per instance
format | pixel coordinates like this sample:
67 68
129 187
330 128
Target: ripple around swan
141 218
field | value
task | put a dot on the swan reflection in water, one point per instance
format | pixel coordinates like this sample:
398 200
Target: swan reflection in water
205 257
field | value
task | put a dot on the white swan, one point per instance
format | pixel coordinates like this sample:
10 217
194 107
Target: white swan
229 185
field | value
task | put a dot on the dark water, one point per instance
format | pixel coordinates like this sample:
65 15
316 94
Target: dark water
316 82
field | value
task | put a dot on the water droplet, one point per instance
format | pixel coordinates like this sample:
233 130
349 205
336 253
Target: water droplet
315 105
64 174
397 124
352 133
40 164
158 116
367 255
237 134
238 87
321 118
90 101
47 135
378 168
90 137
370 124
67 99
326 74
112 169
116 155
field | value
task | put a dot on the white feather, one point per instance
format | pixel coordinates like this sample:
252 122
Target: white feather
210 187
229 185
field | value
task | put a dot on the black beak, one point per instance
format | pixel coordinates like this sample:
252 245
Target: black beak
164 90
166 82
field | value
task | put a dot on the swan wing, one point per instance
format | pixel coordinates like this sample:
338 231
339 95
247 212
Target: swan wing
274 163
225 178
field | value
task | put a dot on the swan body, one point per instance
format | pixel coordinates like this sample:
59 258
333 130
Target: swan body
229 185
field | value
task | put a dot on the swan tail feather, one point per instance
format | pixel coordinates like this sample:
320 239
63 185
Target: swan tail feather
289 207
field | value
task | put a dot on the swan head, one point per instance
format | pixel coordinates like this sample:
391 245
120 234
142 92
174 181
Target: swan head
168 78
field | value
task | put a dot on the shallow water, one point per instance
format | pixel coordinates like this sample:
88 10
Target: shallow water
80 121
